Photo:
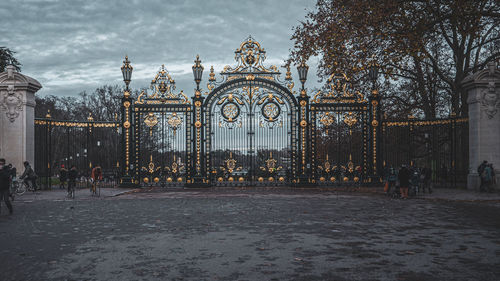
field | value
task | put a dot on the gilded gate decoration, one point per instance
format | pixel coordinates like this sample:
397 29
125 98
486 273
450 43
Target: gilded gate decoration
161 130
250 120
340 133
247 128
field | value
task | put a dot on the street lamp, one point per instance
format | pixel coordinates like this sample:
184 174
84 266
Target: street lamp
373 73
197 71
127 71
302 69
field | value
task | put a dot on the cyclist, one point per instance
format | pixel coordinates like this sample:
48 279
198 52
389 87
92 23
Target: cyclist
96 176
29 175
72 175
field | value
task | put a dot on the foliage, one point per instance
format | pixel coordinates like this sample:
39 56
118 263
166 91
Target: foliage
103 103
423 48
6 58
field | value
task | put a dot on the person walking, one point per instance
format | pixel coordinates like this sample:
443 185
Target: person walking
96 177
480 171
392 178
5 176
404 181
13 175
426 179
443 175
72 175
488 178
29 175
63 177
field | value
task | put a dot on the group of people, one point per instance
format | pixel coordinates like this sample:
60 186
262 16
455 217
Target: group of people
68 178
487 176
419 179
406 178
8 175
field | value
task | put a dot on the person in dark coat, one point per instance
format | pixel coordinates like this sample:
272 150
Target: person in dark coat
5 175
404 181
72 175
63 177
427 177
29 175
480 171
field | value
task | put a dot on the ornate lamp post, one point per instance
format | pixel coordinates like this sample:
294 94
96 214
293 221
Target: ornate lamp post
197 177
304 162
127 135
197 72
127 72
373 74
375 133
302 69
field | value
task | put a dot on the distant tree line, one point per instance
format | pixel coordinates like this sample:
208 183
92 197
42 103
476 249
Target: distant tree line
103 103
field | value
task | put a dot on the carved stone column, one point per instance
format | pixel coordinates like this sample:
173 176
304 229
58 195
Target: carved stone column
483 89
17 117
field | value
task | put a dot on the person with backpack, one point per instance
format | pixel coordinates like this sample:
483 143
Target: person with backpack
480 171
5 176
72 175
29 175
392 178
63 177
13 175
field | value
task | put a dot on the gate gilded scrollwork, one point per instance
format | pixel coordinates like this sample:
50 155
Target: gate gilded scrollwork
162 130
250 123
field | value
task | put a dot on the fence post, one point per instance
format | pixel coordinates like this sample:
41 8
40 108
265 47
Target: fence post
198 159
305 176
410 139
453 148
375 133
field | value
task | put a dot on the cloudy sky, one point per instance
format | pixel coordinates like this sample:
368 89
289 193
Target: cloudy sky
74 46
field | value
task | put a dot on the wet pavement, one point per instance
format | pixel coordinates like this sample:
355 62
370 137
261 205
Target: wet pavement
251 234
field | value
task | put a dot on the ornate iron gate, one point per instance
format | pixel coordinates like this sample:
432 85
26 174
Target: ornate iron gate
340 133
250 121
248 129
162 133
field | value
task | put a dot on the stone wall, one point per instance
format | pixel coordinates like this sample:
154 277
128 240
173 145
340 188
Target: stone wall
483 90
17 117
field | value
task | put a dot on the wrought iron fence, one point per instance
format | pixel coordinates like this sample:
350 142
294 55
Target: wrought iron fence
438 144
250 128
84 144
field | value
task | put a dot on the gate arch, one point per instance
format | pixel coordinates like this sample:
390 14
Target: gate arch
250 133
250 121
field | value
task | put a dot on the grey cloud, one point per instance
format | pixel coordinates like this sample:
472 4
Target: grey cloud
71 46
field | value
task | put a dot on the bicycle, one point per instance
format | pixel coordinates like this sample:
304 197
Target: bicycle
71 190
21 188
96 188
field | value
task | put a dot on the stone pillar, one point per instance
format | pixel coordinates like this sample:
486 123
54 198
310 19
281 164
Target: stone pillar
483 90
17 117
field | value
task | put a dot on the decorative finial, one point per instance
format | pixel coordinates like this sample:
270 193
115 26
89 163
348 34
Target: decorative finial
197 71
10 71
48 114
126 71
211 76
90 118
288 73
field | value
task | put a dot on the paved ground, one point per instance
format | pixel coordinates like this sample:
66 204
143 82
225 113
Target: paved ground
264 234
